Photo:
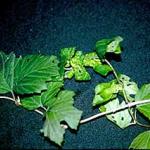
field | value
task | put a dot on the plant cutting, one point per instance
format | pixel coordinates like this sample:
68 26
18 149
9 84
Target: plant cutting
36 83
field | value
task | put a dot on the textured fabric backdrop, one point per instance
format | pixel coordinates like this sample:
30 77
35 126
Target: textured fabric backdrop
27 27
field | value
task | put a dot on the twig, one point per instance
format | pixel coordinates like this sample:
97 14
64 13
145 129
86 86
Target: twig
123 90
129 105
36 110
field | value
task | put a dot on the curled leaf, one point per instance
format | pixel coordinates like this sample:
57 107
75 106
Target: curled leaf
106 91
92 60
108 46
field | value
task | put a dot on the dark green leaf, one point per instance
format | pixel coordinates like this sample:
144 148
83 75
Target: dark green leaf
142 141
4 87
60 109
7 72
31 103
35 102
102 69
108 45
53 89
32 71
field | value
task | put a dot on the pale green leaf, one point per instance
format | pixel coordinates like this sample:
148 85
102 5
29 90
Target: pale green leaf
77 68
121 118
65 56
91 60
114 46
130 87
60 109
69 73
142 141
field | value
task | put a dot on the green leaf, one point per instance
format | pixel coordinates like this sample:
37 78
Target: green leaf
121 118
108 45
31 103
101 47
92 60
103 69
143 94
130 87
145 110
65 56
28 74
105 92
34 102
53 89
142 141
7 63
4 87
32 71
77 68
60 109
69 74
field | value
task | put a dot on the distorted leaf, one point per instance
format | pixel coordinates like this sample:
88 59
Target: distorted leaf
108 45
106 91
130 87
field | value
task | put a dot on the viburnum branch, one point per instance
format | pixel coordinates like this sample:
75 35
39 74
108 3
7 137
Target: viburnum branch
123 90
129 105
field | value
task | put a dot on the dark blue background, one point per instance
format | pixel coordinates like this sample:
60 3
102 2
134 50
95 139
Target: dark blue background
46 26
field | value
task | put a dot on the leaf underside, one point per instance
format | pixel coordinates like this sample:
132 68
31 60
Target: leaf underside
60 109
122 118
